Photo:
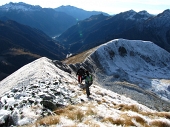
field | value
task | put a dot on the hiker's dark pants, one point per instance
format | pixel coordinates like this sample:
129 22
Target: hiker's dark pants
87 88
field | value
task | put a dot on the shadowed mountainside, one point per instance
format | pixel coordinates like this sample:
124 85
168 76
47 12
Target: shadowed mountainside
22 44
131 25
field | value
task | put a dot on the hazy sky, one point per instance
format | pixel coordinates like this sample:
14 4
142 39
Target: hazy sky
108 6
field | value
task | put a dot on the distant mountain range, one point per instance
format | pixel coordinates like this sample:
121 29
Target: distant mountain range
78 13
155 29
45 19
51 21
99 29
20 44
77 36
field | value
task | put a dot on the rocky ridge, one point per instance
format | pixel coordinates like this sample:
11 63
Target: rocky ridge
50 96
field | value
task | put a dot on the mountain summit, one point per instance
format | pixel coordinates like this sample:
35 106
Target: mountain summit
19 6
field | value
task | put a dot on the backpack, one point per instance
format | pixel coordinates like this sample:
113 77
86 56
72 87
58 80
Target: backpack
81 72
89 79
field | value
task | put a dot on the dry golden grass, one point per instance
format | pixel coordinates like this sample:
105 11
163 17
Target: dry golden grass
99 102
91 123
155 122
71 112
126 120
71 107
139 120
158 123
156 114
113 103
113 121
14 51
124 83
75 125
165 81
90 112
84 91
104 101
134 108
30 125
125 107
61 111
163 114
78 58
49 120
75 115
90 116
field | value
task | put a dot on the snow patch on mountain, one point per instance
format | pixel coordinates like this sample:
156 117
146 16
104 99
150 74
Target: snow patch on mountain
160 21
140 62
145 13
38 83
142 15
19 6
32 72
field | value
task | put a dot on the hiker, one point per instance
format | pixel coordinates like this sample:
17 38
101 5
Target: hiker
88 83
80 73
